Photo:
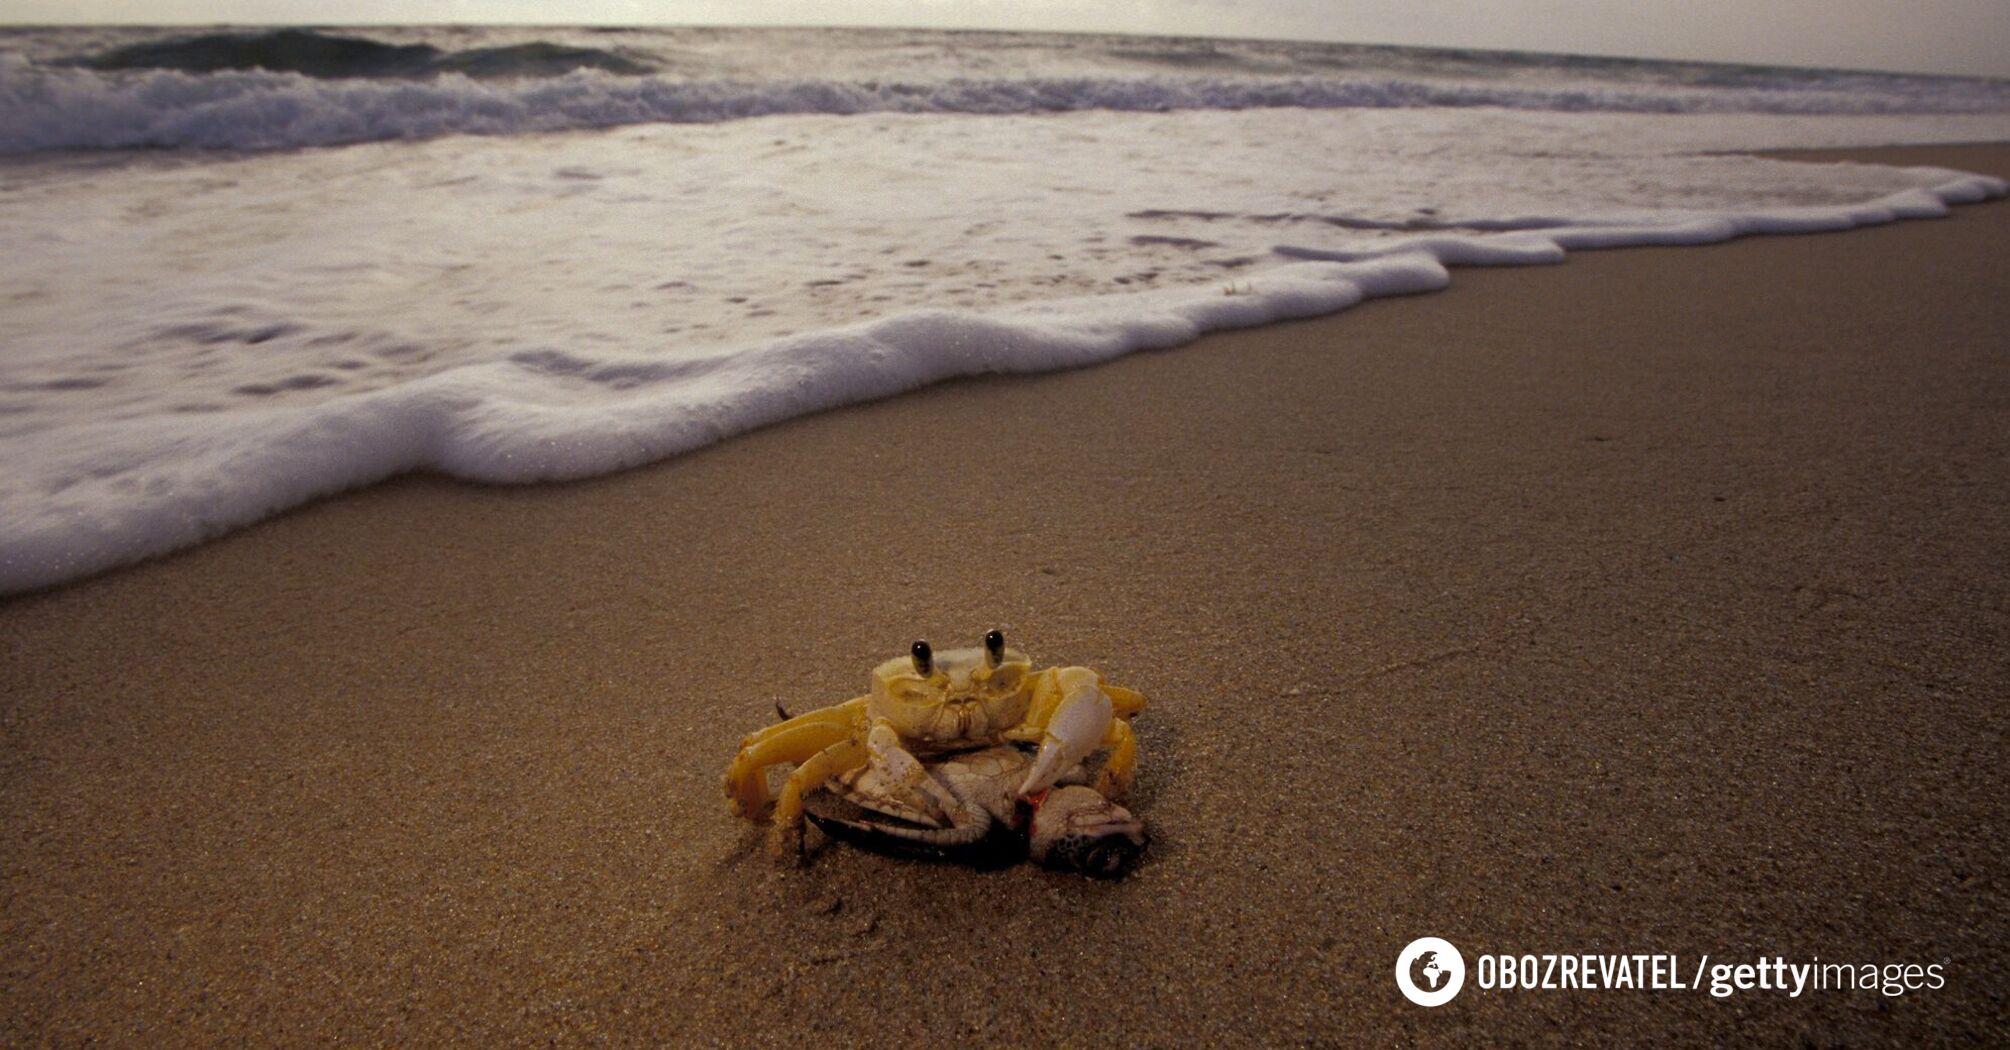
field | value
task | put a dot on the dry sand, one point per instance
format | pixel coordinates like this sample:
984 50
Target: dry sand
1654 603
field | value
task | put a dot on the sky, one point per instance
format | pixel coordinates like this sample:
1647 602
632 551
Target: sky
1928 36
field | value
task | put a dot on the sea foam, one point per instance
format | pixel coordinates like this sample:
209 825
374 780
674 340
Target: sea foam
192 344
94 497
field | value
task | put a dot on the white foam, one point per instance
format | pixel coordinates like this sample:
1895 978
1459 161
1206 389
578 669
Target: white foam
267 330
104 495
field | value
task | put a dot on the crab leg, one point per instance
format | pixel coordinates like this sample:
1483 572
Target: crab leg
1117 772
833 761
865 788
898 777
1126 703
903 774
893 780
1076 728
795 741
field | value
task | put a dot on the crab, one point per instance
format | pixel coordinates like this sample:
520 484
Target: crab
968 811
930 703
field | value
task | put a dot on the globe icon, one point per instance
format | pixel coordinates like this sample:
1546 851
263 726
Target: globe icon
1428 968
1430 971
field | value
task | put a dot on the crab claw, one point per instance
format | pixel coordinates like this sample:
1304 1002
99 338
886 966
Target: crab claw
1076 829
1077 728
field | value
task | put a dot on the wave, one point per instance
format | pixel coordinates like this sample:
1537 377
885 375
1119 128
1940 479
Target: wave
53 107
321 55
102 495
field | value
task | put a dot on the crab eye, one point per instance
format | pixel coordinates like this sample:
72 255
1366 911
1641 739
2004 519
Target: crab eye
994 648
924 658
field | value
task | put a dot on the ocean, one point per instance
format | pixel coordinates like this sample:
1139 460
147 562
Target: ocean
249 268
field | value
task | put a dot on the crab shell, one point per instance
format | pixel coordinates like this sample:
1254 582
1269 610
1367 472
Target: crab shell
961 700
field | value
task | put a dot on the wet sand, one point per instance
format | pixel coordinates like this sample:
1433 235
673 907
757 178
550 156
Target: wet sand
1653 603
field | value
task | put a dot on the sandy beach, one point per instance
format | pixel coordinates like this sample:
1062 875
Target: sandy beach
1651 603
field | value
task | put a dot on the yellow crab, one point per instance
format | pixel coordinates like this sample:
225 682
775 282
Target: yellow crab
931 703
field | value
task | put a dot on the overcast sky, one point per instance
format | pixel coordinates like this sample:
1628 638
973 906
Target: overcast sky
1945 36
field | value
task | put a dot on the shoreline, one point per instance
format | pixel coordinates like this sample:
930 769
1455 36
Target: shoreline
1651 603
71 517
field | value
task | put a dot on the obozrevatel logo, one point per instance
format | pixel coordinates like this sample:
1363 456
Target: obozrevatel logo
1430 971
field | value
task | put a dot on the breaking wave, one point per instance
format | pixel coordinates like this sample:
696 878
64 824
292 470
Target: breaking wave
57 106
321 55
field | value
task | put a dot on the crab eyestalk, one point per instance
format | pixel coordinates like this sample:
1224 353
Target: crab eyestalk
994 648
924 658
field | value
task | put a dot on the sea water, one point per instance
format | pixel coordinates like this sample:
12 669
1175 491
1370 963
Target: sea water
515 255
